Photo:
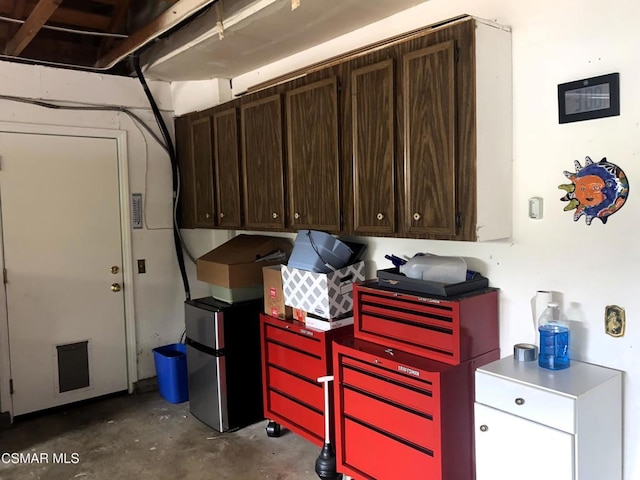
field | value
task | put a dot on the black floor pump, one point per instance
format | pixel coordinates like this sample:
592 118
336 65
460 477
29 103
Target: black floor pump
326 461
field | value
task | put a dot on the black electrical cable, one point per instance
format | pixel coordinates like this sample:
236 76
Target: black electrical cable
174 170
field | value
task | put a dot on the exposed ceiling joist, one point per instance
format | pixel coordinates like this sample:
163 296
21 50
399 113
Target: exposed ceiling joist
38 17
118 18
165 21
77 18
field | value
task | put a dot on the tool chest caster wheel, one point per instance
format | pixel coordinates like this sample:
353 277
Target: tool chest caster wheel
273 429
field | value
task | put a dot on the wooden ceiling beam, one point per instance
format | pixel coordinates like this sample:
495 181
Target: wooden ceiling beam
117 19
168 19
38 17
76 18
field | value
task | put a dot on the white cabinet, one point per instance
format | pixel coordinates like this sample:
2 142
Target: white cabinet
532 423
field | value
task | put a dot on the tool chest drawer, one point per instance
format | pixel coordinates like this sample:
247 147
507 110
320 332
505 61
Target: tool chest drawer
293 338
373 454
388 400
450 330
305 391
293 357
385 384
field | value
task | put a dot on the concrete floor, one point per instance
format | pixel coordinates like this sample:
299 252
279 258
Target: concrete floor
145 437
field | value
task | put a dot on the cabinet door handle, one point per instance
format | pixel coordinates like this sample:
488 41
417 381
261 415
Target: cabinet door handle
296 215
380 216
221 214
417 216
207 215
483 428
274 215
519 401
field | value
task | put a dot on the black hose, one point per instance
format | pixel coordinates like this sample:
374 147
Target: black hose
174 171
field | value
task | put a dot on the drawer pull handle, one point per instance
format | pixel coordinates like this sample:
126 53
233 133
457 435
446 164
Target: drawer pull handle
519 401
389 351
483 428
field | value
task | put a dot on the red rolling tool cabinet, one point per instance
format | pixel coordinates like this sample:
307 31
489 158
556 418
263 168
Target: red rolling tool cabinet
402 416
293 357
404 385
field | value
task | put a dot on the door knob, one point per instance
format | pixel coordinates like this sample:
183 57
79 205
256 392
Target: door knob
483 428
115 287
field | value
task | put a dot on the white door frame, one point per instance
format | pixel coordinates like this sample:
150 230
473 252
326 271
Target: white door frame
6 404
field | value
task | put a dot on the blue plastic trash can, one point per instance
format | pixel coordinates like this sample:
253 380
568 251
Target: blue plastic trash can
171 372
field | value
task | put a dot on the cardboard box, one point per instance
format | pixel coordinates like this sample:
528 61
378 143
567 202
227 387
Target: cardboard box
273 294
299 315
232 264
327 295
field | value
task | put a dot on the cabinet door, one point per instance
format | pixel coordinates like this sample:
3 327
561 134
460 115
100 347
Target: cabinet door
186 197
262 163
313 157
511 447
227 168
203 172
428 96
372 106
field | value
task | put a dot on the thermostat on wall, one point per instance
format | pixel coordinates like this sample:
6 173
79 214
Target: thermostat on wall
535 207
136 210
589 98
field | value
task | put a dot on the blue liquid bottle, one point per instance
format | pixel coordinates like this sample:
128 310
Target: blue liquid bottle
554 339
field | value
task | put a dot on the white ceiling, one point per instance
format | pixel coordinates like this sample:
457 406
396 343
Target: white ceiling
256 33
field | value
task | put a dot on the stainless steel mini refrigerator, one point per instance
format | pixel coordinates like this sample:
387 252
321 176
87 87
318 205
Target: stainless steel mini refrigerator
223 361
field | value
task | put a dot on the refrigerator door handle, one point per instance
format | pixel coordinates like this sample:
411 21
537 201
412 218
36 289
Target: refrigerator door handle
204 349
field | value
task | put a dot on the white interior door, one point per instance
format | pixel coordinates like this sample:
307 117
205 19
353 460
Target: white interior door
61 229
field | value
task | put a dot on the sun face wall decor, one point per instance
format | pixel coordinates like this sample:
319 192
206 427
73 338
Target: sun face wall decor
596 191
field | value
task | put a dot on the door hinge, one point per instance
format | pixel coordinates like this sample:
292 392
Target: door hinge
4 275
458 220
456 55
11 386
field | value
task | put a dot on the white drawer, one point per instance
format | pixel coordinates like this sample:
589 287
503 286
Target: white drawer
526 401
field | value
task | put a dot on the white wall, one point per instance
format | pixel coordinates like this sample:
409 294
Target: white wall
589 266
158 294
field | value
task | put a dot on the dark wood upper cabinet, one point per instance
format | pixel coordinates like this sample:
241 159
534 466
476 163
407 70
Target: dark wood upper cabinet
429 105
263 163
227 168
186 196
410 139
313 157
202 155
372 131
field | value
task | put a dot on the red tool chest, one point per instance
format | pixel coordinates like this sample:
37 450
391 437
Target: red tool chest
450 330
402 415
293 357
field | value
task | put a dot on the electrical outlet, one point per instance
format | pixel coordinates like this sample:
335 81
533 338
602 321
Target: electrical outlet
142 266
